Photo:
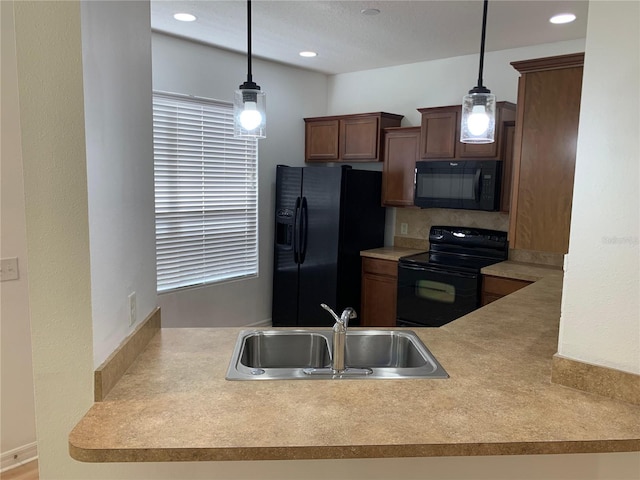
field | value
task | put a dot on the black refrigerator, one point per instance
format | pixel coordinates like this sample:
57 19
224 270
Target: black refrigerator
324 217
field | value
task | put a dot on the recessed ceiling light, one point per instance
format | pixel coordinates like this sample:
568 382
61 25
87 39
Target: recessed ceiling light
308 54
370 11
184 17
563 18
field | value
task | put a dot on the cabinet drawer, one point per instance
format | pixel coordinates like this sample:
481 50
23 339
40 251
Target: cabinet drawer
502 286
380 267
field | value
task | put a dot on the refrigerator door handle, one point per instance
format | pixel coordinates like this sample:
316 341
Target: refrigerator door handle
304 228
296 232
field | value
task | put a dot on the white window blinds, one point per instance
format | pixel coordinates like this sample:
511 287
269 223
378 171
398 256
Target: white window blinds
205 193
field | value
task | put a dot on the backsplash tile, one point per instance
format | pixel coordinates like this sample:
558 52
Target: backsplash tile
419 221
410 242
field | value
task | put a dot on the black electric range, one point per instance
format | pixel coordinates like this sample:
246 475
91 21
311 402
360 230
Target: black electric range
436 287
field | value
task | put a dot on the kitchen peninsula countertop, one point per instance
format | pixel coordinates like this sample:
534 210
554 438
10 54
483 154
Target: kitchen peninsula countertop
174 403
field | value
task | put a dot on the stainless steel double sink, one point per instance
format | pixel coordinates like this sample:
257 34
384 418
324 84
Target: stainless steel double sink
306 354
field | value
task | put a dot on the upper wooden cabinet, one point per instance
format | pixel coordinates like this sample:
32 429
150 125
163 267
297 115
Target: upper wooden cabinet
347 138
544 152
439 127
401 150
321 140
507 165
440 134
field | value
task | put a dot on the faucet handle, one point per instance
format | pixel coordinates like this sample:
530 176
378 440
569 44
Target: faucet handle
333 314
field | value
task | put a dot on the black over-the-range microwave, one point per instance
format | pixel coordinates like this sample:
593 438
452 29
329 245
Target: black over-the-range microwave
463 184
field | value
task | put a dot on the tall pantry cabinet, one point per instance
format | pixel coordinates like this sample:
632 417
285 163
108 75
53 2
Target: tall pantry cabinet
545 143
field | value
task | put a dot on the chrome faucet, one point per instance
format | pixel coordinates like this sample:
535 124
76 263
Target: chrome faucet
339 336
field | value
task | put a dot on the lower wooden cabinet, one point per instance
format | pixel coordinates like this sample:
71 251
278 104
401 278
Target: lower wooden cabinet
379 284
494 288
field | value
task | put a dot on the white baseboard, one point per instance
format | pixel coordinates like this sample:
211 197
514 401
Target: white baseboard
261 323
18 456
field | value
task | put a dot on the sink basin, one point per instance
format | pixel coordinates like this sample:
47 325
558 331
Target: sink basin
384 349
285 350
306 354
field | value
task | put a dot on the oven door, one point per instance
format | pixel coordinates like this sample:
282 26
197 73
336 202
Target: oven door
432 296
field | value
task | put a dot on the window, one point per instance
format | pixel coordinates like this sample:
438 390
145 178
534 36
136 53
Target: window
205 193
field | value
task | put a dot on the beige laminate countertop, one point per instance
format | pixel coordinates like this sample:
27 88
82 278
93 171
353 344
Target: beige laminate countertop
174 403
521 271
390 253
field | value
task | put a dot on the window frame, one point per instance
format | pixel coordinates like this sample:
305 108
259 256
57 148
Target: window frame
207 218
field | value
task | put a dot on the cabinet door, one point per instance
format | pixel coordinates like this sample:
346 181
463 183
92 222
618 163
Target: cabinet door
379 285
321 142
478 150
378 300
507 165
359 138
546 142
400 154
439 134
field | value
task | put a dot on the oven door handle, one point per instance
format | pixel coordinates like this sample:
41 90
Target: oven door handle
437 270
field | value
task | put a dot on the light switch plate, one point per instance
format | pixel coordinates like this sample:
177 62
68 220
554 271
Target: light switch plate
404 228
9 269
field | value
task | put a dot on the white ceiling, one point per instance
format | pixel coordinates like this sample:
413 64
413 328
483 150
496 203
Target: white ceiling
346 40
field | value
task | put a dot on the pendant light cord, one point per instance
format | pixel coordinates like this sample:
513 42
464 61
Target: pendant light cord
484 32
249 75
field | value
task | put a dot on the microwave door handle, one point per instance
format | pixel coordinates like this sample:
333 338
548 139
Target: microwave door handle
477 185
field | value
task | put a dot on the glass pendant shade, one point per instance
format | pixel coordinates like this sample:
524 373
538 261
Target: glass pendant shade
250 113
478 123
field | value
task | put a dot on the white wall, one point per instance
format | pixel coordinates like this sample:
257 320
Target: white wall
52 126
17 419
55 185
180 66
600 321
119 144
405 88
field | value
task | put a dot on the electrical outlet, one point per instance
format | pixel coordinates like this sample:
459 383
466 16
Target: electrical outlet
133 313
9 269
404 229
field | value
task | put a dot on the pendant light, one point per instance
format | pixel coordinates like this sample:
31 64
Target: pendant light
479 106
249 101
